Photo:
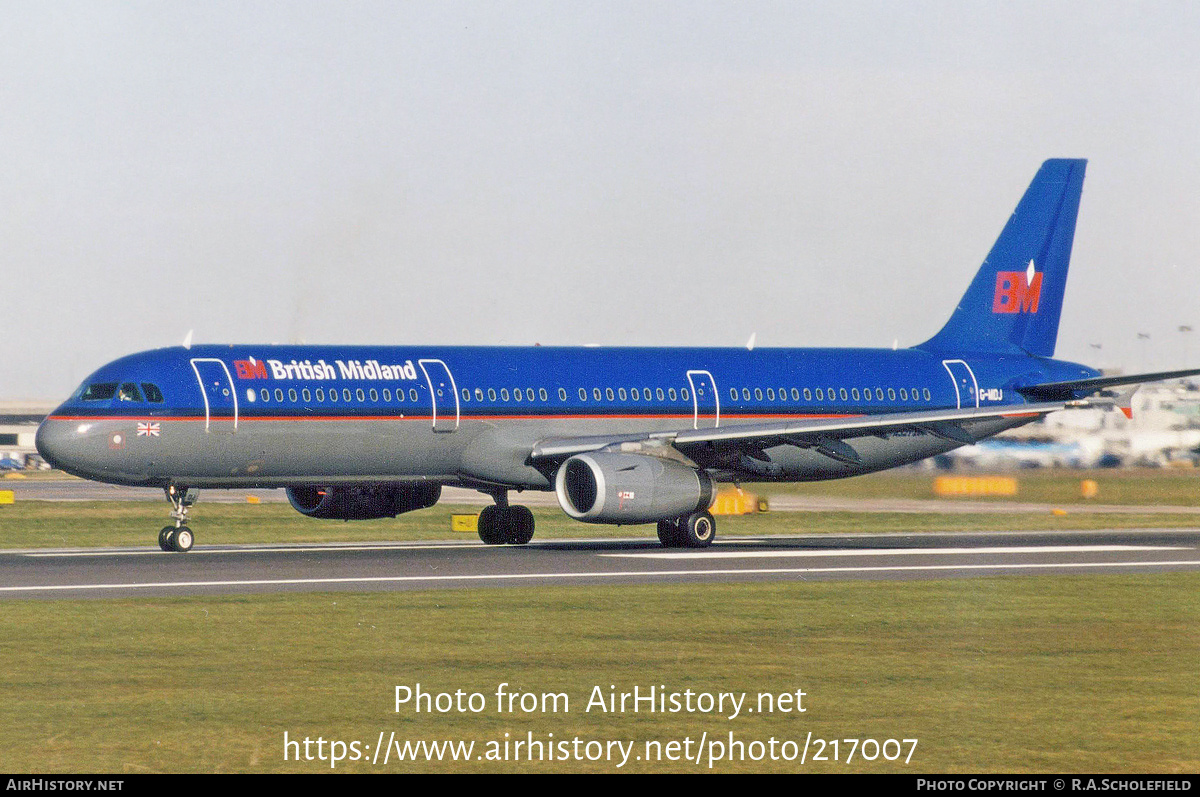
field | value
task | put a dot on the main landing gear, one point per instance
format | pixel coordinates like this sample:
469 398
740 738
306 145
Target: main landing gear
696 530
505 524
178 537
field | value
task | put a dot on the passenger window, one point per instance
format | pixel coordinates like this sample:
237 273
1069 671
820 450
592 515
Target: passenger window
333 395
820 394
306 394
412 393
491 394
562 394
621 393
608 393
904 394
292 394
758 393
807 394
153 394
854 393
278 394
658 392
745 394
683 393
321 394
582 394
529 393
266 394
842 393
504 393
733 393
478 394
517 394
466 394
671 393
633 393
346 393
129 392
596 393
925 393
891 394
879 393
770 394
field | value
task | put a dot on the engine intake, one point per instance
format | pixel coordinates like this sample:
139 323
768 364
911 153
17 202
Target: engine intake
609 487
362 502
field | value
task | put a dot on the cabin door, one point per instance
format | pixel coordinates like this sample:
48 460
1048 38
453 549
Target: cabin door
443 395
705 401
965 385
220 400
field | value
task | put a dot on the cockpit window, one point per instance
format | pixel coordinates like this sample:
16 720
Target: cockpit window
129 392
152 392
98 391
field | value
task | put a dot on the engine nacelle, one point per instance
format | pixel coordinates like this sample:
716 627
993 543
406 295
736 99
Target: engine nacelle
609 487
362 502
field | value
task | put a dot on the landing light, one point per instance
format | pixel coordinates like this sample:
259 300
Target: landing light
82 428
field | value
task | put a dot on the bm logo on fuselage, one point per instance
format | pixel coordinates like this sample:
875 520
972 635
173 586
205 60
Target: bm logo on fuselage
1017 292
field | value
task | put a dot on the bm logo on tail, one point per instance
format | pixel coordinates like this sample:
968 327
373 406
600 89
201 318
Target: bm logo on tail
1017 291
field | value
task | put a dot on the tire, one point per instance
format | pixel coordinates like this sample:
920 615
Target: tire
697 530
164 538
493 525
183 539
520 525
668 533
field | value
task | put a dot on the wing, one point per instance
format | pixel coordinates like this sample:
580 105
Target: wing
827 436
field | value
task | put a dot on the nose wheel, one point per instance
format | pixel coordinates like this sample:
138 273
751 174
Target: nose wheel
178 538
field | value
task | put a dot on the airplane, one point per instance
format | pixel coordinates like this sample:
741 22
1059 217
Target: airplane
621 435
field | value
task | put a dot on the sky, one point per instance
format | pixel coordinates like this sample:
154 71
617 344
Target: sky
567 173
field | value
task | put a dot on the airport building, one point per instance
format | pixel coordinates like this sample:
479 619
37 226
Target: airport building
18 425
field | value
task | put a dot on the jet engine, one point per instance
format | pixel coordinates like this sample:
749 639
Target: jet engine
362 502
610 487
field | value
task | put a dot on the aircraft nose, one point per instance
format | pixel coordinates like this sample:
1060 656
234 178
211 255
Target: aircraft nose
49 439
53 441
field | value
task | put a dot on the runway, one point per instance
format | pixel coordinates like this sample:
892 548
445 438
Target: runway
240 569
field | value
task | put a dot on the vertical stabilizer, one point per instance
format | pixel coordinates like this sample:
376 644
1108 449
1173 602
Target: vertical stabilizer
1014 303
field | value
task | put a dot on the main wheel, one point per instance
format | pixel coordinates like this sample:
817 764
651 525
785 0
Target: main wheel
520 525
183 539
164 538
493 525
668 533
697 530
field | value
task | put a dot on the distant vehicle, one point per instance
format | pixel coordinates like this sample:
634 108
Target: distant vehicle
622 435
9 462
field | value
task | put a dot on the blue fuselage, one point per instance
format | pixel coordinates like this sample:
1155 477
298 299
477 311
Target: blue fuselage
224 416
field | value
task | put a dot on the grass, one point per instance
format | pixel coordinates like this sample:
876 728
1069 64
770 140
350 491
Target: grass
999 674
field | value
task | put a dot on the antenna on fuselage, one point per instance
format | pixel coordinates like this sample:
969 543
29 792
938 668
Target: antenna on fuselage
750 343
187 339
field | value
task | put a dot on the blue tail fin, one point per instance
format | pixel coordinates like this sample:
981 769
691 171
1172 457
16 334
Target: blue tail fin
1014 302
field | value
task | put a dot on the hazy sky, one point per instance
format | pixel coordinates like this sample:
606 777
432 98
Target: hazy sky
566 173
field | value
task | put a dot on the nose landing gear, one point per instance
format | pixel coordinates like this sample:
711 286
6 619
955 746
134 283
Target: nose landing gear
179 537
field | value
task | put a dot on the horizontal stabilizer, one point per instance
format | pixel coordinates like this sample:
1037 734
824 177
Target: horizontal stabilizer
1078 388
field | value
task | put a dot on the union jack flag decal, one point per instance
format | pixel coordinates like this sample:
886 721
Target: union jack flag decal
149 429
